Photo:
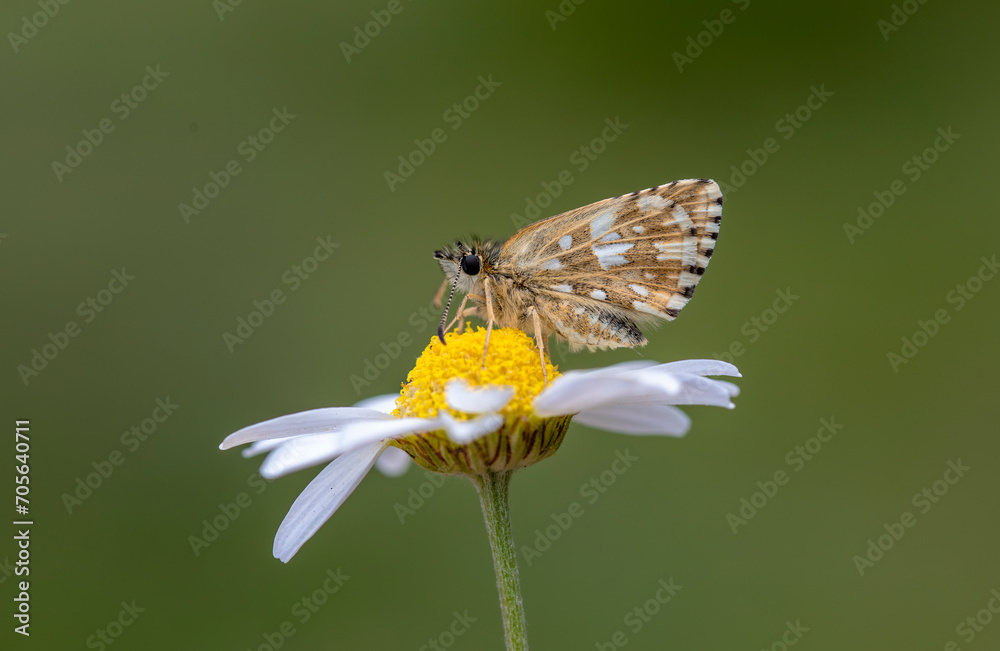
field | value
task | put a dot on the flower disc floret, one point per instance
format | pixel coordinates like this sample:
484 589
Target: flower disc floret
512 361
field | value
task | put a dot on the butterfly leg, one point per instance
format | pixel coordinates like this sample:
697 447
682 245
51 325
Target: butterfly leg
489 316
458 317
471 311
540 343
439 294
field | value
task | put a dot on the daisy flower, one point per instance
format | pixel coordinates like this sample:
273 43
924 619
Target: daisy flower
457 417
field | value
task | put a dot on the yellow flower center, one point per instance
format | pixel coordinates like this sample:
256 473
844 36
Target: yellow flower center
512 360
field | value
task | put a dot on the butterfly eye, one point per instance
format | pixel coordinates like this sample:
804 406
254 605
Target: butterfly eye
470 264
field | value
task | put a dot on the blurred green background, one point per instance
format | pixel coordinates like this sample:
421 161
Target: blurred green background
838 102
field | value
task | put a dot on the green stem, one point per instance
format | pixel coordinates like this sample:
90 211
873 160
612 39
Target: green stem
493 490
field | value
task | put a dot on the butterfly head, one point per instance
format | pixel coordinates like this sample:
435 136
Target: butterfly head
462 261
466 265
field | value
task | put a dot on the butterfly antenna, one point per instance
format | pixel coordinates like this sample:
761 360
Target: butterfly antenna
444 317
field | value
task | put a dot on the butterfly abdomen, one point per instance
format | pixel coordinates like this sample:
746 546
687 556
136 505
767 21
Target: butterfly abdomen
589 325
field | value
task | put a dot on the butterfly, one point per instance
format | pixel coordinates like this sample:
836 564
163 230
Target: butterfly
594 275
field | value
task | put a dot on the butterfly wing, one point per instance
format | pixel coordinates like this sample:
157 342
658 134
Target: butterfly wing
597 270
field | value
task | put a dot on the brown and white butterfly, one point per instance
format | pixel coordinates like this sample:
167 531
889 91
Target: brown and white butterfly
592 275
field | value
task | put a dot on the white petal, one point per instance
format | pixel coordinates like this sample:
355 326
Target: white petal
697 390
393 462
476 400
385 403
669 383
621 367
304 451
260 447
730 387
637 419
702 367
637 384
574 392
466 431
321 498
314 421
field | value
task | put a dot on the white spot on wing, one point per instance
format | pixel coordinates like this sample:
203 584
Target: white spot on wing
601 223
687 279
610 255
640 290
566 289
713 190
598 294
648 309
578 310
639 229
649 275
679 217
676 302
565 242
654 201
669 250
611 237
552 264
690 251
714 209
